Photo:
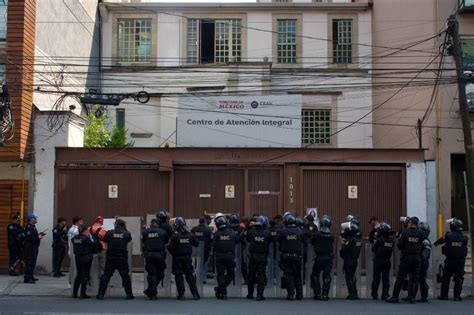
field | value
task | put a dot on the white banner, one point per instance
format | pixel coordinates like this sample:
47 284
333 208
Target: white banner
239 121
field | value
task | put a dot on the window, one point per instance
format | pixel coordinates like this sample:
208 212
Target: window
342 41
316 126
3 19
467 53
286 41
210 41
134 40
120 118
282 1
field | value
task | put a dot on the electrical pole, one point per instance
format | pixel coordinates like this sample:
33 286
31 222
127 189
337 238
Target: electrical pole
455 50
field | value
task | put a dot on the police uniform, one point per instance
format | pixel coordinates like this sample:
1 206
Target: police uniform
32 249
350 252
82 247
223 244
181 248
382 248
60 240
16 236
409 244
165 226
203 234
291 239
424 266
117 259
154 240
323 244
258 239
243 263
455 250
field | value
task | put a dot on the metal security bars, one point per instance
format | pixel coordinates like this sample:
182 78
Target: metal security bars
316 126
286 41
134 40
342 41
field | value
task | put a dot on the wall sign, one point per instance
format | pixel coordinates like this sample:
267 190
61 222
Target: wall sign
229 191
291 187
352 192
113 191
204 195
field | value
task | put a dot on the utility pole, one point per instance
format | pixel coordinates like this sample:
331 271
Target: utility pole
455 50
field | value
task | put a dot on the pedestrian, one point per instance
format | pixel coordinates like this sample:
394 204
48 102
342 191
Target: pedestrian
455 250
181 248
425 264
409 244
291 239
383 250
60 241
323 245
154 240
16 239
99 232
258 240
83 245
351 240
203 234
33 239
117 259
223 244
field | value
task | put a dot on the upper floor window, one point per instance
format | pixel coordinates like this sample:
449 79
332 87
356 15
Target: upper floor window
342 41
3 19
134 40
210 41
282 1
286 40
315 126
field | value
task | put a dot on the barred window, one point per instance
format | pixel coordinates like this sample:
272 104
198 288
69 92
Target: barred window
134 40
316 126
286 41
342 41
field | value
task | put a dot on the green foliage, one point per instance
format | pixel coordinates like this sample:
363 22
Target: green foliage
96 134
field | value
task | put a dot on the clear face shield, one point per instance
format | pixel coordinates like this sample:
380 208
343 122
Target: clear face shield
449 221
345 226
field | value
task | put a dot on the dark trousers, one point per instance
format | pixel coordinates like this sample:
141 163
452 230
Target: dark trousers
292 272
113 263
243 263
15 256
225 267
257 273
31 256
155 267
83 269
58 257
425 264
350 275
409 266
183 268
381 272
321 265
453 268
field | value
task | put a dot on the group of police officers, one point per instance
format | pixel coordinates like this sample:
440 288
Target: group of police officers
289 235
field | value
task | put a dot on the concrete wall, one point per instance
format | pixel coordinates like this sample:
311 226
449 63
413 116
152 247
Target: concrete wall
71 134
416 190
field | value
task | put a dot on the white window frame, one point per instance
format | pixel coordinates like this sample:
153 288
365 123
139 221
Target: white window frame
320 131
343 52
130 46
287 50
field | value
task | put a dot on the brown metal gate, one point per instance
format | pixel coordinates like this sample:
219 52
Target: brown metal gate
264 190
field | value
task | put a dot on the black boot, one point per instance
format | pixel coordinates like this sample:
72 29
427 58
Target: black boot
444 289
396 292
412 288
75 288
83 291
458 288
218 293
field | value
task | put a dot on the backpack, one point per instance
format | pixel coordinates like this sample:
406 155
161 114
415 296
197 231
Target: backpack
97 248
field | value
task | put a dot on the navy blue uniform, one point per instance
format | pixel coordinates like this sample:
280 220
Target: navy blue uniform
291 240
203 234
16 237
59 248
82 248
382 248
223 243
154 241
350 252
32 249
323 245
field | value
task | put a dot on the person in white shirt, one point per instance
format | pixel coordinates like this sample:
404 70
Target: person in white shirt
73 231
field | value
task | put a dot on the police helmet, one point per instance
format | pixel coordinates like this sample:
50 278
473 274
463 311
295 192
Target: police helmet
120 223
299 221
325 221
425 227
290 219
455 224
260 221
353 219
234 219
286 213
266 222
413 220
221 221
162 216
385 227
180 224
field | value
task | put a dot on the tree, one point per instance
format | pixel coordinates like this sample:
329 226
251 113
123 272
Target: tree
118 139
96 134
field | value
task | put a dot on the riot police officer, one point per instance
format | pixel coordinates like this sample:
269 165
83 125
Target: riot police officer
374 228
203 234
60 241
323 245
16 237
181 248
154 240
223 244
382 248
33 239
117 258
258 239
291 239
425 263
82 247
351 240
306 235
234 224
163 218
409 244
455 250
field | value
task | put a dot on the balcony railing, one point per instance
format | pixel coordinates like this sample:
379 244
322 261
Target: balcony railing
466 6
